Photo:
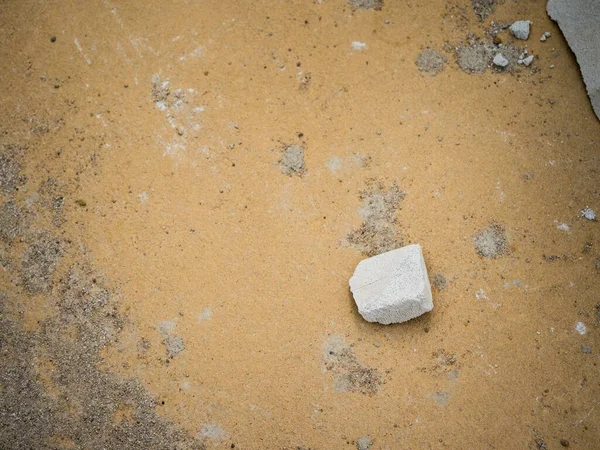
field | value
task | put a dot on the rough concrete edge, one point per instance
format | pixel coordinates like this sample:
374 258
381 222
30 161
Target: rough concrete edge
582 44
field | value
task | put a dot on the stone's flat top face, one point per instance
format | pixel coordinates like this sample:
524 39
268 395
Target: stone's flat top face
579 20
392 287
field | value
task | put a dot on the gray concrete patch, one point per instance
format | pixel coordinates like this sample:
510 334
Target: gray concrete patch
579 20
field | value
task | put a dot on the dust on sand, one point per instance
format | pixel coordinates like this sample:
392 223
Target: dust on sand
439 282
379 231
179 211
292 160
491 242
476 56
39 262
11 221
11 160
349 374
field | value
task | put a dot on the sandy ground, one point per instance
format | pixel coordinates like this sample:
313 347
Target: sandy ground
188 186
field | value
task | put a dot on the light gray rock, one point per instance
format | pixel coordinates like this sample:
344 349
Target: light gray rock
579 20
500 60
526 61
520 29
588 213
545 36
392 287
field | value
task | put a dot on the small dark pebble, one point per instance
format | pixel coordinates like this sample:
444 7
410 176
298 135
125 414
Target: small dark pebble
53 39
81 202
232 445
56 86
126 86
300 135
426 329
564 443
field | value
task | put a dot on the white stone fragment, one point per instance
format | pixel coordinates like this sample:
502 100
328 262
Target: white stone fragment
545 36
500 60
357 45
520 29
588 213
392 287
526 61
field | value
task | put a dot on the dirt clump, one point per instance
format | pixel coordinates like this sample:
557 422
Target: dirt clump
430 62
350 374
39 262
378 233
491 242
292 161
377 5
